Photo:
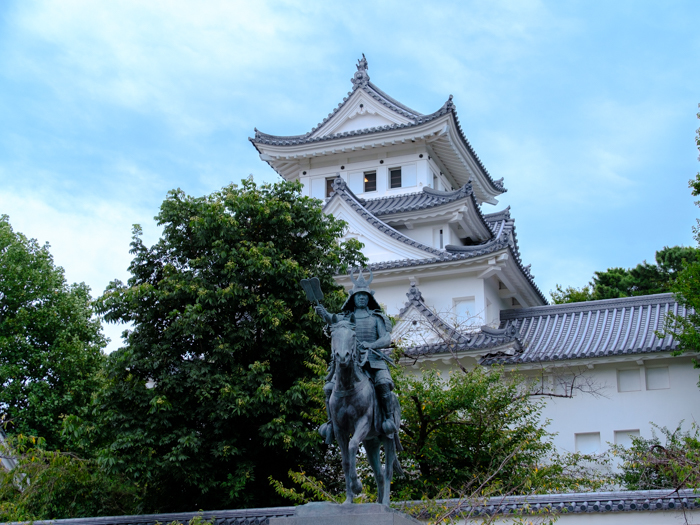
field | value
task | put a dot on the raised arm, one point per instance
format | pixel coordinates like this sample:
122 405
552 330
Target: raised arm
325 315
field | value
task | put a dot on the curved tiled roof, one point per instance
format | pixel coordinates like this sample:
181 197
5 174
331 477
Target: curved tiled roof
456 341
610 327
341 190
480 249
362 83
574 503
420 200
219 517
503 234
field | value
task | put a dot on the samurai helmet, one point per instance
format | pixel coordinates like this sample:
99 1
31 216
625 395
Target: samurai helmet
360 285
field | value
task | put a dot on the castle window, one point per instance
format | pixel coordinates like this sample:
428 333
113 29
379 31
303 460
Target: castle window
657 378
588 442
329 186
370 181
625 437
628 380
395 177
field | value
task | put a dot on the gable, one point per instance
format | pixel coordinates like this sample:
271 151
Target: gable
378 245
359 112
414 329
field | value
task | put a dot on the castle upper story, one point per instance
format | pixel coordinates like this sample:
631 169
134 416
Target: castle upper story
411 189
381 148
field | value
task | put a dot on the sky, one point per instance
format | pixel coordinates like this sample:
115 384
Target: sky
586 108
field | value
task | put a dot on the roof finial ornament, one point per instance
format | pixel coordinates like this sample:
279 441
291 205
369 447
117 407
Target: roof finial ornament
361 76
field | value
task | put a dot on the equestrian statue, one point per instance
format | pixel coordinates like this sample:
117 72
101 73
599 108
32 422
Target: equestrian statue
360 403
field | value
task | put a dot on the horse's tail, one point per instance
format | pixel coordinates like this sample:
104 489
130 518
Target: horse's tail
398 469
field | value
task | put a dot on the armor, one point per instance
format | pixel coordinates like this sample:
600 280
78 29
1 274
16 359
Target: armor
372 328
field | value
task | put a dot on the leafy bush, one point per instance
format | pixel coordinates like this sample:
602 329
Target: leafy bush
49 484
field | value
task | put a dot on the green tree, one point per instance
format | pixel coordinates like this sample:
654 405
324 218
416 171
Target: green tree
570 294
50 342
686 328
643 279
46 485
474 434
478 426
650 463
217 386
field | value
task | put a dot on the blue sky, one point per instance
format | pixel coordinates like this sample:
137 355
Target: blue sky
586 108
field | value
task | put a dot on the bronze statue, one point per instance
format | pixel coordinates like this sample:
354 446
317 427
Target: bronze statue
358 389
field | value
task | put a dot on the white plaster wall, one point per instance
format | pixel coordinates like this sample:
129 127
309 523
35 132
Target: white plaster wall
331 166
493 316
363 122
626 410
422 234
613 410
438 293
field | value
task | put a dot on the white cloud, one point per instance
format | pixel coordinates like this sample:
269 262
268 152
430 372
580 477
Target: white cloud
90 240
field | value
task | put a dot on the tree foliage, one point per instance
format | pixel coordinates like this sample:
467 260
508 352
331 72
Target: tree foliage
643 279
214 391
50 342
655 463
474 434
47 485
476 426
686 328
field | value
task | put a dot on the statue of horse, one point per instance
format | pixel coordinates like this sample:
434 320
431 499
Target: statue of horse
356 416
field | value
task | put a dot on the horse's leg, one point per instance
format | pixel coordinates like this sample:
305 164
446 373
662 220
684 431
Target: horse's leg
361 430
372 446
389 457
342 439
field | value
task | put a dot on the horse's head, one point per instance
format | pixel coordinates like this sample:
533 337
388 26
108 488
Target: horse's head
343 341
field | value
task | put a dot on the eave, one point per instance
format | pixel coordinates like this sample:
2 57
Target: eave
440 133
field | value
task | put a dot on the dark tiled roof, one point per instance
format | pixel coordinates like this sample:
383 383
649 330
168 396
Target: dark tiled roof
421 200
575 503
610 327
503 238
341 191
455 341
220 517
416 119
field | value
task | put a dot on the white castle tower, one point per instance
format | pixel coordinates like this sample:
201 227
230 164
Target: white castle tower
446 263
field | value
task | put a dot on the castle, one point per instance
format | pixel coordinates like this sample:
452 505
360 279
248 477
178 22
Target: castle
446 263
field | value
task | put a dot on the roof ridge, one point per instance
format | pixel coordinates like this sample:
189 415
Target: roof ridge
437 198
600 304
415 300
393 100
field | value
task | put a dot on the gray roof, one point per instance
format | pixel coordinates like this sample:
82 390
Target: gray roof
575 503
610 327
501 224
219 517
455 341
420 200
7 460
361 82
341 191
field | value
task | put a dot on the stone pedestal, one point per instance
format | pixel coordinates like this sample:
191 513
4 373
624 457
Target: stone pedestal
324 513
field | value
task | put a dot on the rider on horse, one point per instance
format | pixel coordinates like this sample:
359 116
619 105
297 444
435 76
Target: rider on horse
372 330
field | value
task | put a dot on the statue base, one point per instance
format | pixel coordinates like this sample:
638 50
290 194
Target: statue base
325 513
